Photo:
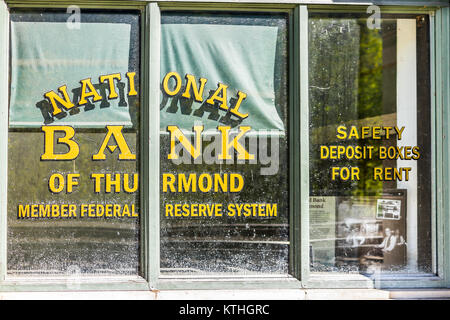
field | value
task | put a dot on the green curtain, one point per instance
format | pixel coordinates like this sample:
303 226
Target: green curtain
240 56
47 55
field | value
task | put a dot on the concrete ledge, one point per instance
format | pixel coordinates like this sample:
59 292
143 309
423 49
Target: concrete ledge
435 294
257 294
80 295
277 294
346 294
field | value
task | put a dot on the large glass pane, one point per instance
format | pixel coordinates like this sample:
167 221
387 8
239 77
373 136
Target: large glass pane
73 196
370 144
224 156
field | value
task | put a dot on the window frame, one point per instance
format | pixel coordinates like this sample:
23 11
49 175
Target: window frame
296 30
300 275
53 283
439 250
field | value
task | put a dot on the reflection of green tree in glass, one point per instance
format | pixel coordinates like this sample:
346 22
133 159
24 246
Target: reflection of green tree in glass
346 87
370 72
334 55
369 98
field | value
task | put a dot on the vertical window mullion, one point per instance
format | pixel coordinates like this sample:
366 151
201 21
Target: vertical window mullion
152 41
442 107
304 141
4 74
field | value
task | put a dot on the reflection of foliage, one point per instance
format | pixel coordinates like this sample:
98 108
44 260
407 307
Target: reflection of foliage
370 72
346 77
333 70
369 97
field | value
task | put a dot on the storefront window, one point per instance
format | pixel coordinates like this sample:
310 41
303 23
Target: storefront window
299 146
370 144
73 154
224 149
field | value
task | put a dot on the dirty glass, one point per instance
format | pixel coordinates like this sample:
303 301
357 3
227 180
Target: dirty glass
370 144
73 144
224 148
